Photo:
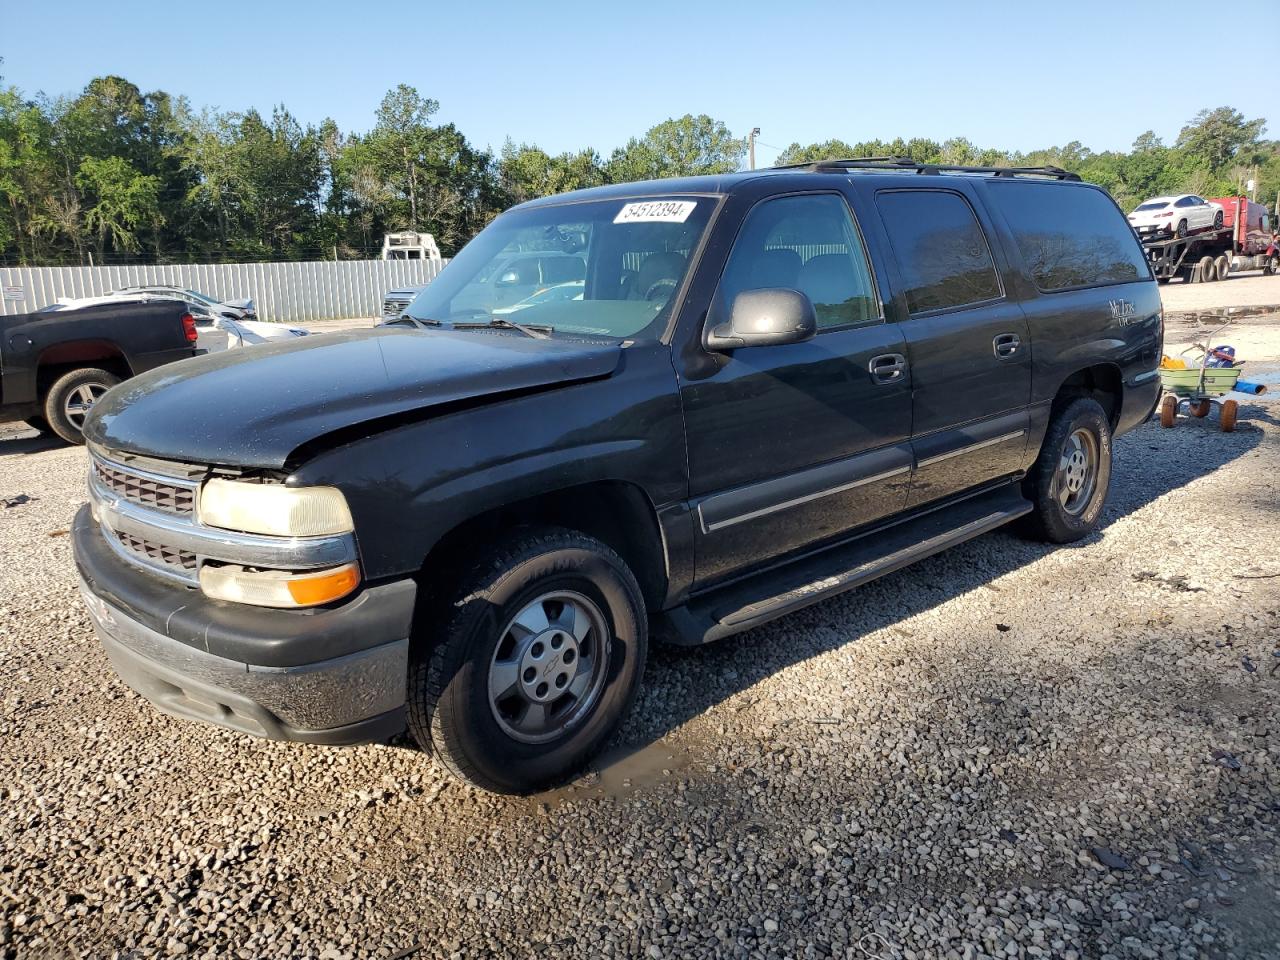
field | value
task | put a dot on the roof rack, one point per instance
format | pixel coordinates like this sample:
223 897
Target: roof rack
904 164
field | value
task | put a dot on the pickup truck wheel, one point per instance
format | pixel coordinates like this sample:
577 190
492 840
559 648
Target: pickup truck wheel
1068 484
70 398
539 660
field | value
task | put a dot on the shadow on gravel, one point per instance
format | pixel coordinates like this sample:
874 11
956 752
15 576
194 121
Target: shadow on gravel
682 683
11 445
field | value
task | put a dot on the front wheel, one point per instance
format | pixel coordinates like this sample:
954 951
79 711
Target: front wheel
1068 484
537 660
1217 220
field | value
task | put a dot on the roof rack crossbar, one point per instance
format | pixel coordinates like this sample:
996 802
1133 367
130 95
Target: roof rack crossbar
906 163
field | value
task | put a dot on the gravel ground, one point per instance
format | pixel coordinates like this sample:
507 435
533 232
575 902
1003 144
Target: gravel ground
1005 751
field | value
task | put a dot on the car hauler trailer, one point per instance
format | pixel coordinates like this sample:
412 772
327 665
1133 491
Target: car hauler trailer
1242 243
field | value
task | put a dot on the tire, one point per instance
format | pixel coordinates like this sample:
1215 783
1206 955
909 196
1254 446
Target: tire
38 424
1205 269
477 736
1182 229
1200 408
1221 268
69 399
1271 267
1217 220
1227 418
1168 410
1068 494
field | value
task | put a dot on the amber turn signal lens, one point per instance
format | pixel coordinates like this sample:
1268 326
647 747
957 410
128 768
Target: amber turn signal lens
310 591
278 588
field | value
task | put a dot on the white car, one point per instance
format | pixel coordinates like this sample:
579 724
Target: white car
1175 216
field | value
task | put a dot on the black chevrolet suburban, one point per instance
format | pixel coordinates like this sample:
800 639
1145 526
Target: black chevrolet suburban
766 388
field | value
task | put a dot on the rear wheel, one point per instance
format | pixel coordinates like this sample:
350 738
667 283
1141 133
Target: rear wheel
1068 484
538 662
1221 267
1182 229
1205 269
1168 410
1227 417
70 399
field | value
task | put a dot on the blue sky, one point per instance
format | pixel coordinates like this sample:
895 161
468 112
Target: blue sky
568 75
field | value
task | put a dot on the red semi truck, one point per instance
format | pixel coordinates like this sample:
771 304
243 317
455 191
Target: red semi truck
1242 243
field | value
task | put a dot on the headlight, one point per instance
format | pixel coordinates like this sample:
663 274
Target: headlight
278 588
273 509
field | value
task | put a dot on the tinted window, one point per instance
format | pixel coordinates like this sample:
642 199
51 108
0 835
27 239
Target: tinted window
807 243
941 250
1070 236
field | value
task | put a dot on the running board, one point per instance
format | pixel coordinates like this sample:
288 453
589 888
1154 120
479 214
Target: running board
777 592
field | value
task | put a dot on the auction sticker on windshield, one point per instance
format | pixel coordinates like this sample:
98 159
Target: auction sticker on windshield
656 211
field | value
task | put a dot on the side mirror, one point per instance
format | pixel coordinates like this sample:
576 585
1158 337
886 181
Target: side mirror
765 318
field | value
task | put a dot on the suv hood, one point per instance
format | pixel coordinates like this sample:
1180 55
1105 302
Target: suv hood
254 407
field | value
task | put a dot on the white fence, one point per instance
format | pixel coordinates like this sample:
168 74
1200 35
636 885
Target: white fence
291 292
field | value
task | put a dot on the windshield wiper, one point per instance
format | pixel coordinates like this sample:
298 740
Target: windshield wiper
420 322
538 332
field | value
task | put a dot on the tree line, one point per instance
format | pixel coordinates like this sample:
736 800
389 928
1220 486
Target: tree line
114 174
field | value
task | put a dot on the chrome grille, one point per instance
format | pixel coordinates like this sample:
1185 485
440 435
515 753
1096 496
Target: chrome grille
157 552
148 518
146 491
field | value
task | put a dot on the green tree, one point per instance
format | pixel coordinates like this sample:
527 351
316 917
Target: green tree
682 147
403 137
123 201
526 171
1217 136
28 174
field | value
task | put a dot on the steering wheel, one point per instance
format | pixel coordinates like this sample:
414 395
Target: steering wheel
660 289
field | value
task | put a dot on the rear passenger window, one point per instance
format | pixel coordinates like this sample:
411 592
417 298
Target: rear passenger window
807 243
1069 236
941 250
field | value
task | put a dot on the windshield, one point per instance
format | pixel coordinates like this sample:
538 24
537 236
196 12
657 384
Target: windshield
1152 205
606 268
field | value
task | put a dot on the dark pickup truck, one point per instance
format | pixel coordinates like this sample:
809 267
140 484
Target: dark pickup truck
54 365
765 389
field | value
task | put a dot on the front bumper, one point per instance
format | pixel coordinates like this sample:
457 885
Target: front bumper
334 676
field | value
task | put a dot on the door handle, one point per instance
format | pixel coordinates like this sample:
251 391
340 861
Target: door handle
887 368
1006 345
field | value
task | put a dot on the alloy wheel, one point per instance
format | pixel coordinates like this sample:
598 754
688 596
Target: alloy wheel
81 400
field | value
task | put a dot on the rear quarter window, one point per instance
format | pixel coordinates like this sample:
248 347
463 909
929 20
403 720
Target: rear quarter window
1069 236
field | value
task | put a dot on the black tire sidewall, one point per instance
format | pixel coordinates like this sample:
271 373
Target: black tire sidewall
1054 521
55 400
462 722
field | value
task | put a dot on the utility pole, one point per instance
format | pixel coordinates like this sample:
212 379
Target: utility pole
751 147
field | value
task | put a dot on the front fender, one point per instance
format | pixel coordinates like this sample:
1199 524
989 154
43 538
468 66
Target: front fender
410 485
